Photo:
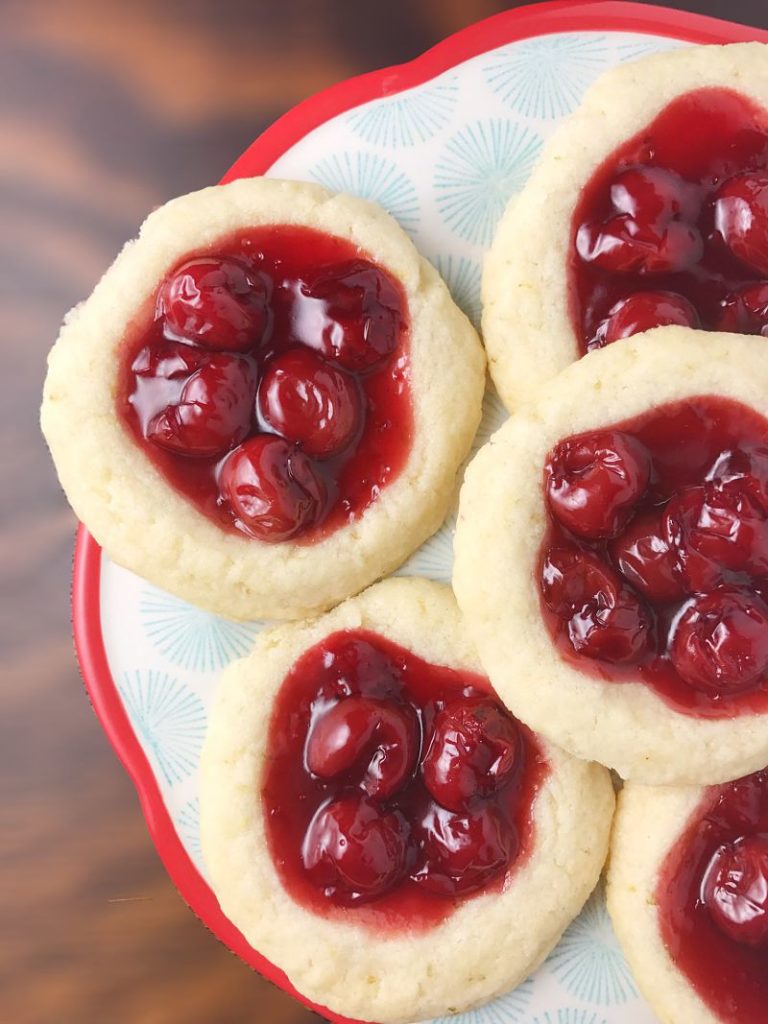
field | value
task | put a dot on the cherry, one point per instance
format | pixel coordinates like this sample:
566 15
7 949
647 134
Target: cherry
745 311
473 751
571 578
748 463
646 559
653 195
192 403
619 631
606 620
167 361
652 230
734 525
359 316
741 218
357 736
216 302
354 850
716 528
306 400
594 480
361 668
719 643
461 853
680 522
734 889
622 246
273 489
643 311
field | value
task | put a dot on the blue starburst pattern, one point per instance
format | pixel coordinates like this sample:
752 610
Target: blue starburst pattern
646 47
188 826
588 961
371 177
509 1009
189 637
546 77
408 119
479 169
462 276
568 1015
434 559
168 718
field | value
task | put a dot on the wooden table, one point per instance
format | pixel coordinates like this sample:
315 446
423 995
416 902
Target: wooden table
108 109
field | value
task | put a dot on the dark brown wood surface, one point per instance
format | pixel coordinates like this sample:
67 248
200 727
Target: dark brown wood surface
107 109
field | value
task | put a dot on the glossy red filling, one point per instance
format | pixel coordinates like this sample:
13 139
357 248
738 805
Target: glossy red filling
713 900
673 226
394 788
269 382
654 567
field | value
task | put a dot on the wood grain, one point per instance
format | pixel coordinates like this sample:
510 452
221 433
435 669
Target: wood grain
107 109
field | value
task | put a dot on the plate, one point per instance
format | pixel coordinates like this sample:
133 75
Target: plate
441 143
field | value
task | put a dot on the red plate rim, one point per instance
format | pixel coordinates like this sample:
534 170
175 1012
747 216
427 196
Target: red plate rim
506 27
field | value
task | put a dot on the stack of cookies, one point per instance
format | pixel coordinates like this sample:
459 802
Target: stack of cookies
265 407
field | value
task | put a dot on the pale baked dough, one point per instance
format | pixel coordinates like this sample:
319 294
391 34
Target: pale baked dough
145 525
492 942
526 324
649 821
501 525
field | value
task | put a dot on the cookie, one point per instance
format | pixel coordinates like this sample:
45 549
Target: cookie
635 217
686 888
334 806
610 556
257 409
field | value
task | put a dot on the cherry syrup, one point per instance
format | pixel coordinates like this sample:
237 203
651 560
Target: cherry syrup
673 226
712 900
394 788
655 562
269 382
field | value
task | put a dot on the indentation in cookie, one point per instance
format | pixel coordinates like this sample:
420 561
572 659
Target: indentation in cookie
712 898
655 562
269 384
673 227
393 785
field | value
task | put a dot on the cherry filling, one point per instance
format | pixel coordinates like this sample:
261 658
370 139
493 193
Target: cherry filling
269 383
654 566
394 786
735 889
712 900
673 226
